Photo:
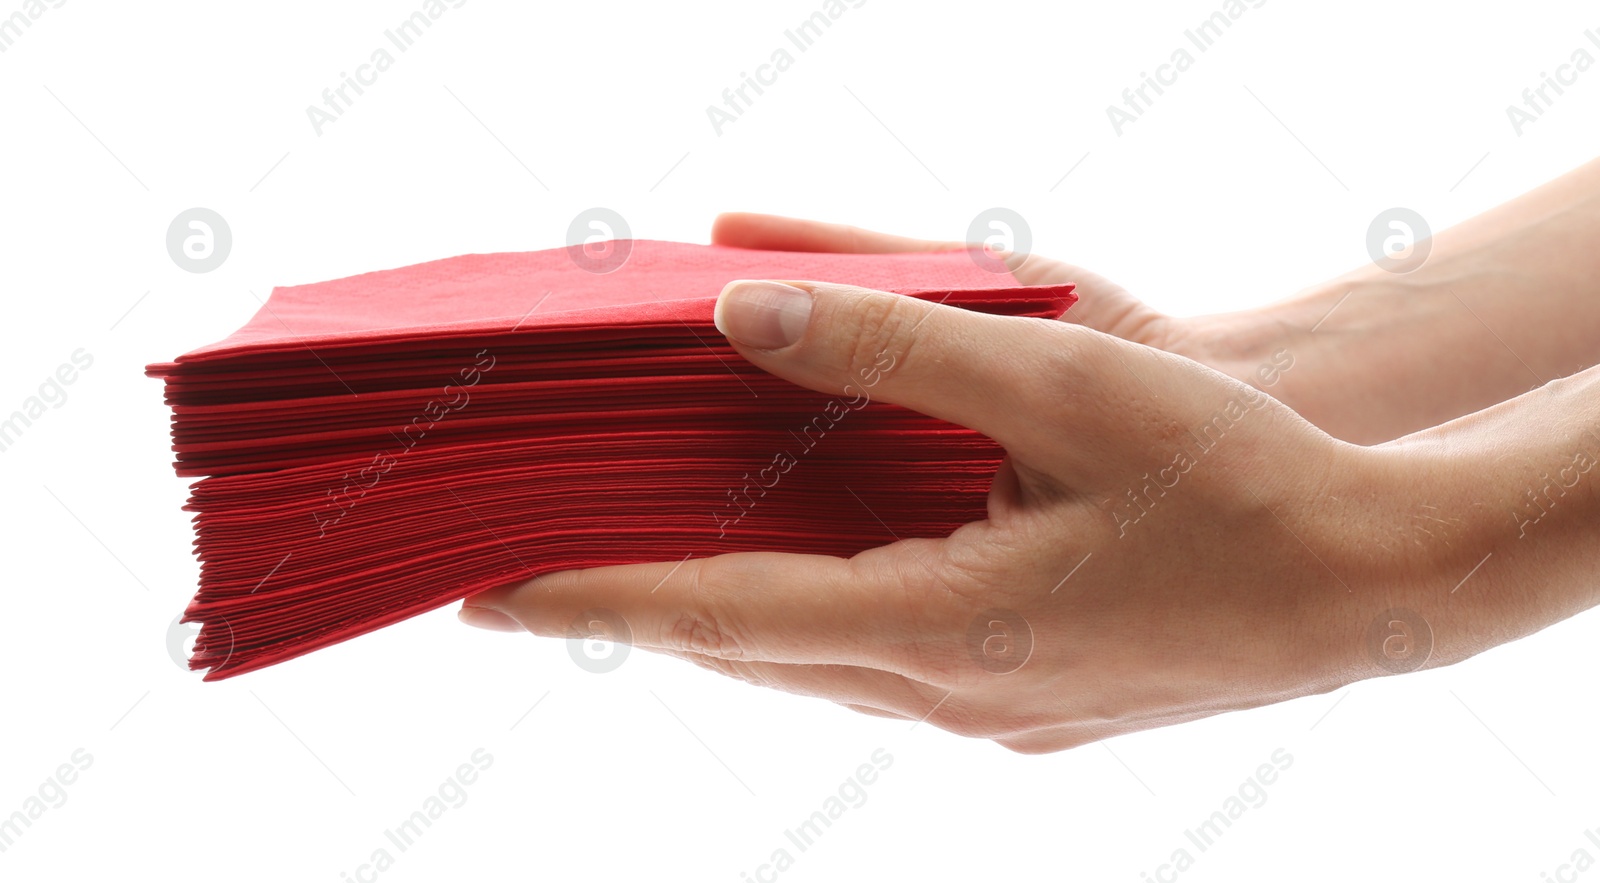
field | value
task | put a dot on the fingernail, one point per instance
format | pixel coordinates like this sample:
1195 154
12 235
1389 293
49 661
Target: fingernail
485 618
763 315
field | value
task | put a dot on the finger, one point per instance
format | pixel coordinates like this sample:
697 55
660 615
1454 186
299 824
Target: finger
1062 737
768 607
1051 740
891 695
1006 377
776 233
1104 305
876 712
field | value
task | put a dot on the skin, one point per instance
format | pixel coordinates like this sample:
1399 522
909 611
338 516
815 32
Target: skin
1408 457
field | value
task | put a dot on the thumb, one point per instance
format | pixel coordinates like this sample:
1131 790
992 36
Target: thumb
987 373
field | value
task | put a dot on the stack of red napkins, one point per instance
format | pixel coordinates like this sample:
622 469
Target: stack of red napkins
379 446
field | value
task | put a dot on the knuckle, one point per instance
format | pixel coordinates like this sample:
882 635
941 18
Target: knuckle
1086 346
1087 378
925 607
1078 353
881 326
698 632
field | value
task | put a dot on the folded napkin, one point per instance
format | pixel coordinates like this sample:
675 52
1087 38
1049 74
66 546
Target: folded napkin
382 445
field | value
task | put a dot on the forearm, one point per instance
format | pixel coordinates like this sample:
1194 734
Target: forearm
1489 526
1504 301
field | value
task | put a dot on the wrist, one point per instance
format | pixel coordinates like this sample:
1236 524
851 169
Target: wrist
1358 355
1377 355
1485 527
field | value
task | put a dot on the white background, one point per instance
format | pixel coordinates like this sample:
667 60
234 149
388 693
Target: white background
908 117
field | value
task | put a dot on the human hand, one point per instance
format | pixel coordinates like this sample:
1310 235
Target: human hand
1257 347
1161 545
